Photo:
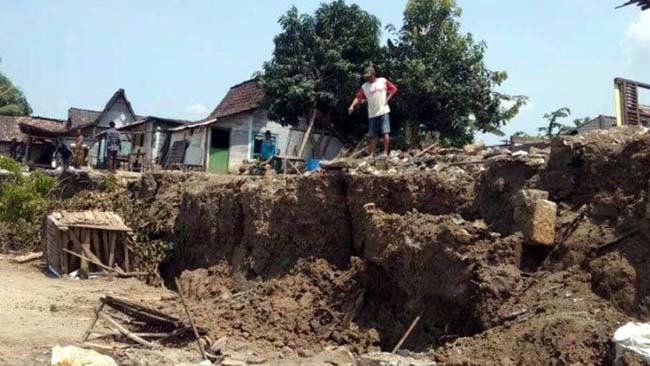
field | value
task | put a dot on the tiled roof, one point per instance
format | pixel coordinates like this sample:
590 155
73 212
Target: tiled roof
9 129
598 123
82 117
643 4
243 97
42 126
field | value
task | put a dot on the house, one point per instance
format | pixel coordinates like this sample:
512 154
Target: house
9 134
41 137
149 137
233 133
599 123
118 109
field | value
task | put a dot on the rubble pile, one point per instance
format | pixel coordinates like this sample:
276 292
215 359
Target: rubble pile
310 308
509 257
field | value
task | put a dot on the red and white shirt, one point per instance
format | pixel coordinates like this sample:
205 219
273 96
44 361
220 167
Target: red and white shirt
376 93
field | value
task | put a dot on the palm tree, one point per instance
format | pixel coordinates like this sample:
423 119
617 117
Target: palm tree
12 100
553 122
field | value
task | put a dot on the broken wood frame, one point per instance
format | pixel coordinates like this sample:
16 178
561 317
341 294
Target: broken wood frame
629 110
105 245
155 326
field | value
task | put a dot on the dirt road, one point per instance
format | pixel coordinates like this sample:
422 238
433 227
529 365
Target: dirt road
38 311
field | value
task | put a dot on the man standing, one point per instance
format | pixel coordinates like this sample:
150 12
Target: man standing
378 92
113 146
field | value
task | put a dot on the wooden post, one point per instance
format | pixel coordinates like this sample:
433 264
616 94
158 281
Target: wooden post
92 324
406 335
96 243
127 266
64 258
312 119
189 316
111 254
105 244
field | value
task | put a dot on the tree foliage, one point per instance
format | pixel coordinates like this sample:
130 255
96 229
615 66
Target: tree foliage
444 83
317 64
12 100
553 125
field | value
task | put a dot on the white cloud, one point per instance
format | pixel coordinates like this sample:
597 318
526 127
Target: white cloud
638 32
636 43
197 109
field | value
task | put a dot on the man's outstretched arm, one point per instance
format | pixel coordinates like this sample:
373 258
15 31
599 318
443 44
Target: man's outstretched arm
357 100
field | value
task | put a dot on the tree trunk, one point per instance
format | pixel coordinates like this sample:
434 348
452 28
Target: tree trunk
312 119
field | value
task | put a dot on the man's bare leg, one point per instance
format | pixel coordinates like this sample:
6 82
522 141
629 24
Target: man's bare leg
386 144
373 146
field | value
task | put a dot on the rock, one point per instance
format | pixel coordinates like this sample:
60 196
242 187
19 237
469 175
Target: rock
535 216
475 148
75 356
390 359
232 362
218 346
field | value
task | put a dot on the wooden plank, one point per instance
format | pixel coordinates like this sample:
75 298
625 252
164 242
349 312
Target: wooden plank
127 265
96 243
111 253
116 270
64 255
125 332
92 324
105 244
28 257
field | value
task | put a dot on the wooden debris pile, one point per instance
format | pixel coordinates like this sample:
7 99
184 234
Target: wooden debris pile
134 323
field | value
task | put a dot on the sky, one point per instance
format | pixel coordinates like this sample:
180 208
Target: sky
177 59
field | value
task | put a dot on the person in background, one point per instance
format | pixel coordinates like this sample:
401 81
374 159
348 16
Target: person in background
268 150
378 92
78 159
113 146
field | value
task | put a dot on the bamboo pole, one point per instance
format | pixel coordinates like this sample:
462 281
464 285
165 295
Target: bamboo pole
406 335
189 316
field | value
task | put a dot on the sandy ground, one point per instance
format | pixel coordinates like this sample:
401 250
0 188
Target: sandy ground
38 311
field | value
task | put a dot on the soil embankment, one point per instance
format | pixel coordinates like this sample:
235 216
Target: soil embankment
352 256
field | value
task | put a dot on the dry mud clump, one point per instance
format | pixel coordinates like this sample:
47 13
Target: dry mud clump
311 307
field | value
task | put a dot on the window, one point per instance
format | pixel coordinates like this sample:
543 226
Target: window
258 137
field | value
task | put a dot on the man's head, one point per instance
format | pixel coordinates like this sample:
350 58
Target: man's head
79 132
267 135
370 74
112 124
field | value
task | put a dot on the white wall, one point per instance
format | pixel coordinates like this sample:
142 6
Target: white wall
119 113
295 139
240 136
195 153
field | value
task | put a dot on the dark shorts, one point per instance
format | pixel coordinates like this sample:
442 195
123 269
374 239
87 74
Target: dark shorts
379 126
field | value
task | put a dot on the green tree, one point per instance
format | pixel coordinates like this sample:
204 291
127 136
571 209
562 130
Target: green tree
12 100
553 125
316 66
444 83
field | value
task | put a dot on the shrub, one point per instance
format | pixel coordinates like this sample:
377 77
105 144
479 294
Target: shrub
23 203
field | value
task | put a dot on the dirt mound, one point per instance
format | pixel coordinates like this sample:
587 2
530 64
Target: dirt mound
452 272
311 307
556 320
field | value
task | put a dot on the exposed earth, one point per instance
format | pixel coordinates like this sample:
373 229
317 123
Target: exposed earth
508 258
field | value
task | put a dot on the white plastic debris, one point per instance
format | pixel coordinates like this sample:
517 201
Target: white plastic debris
633 337
75 356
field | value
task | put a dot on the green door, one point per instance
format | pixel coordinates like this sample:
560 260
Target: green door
219 151
218 161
